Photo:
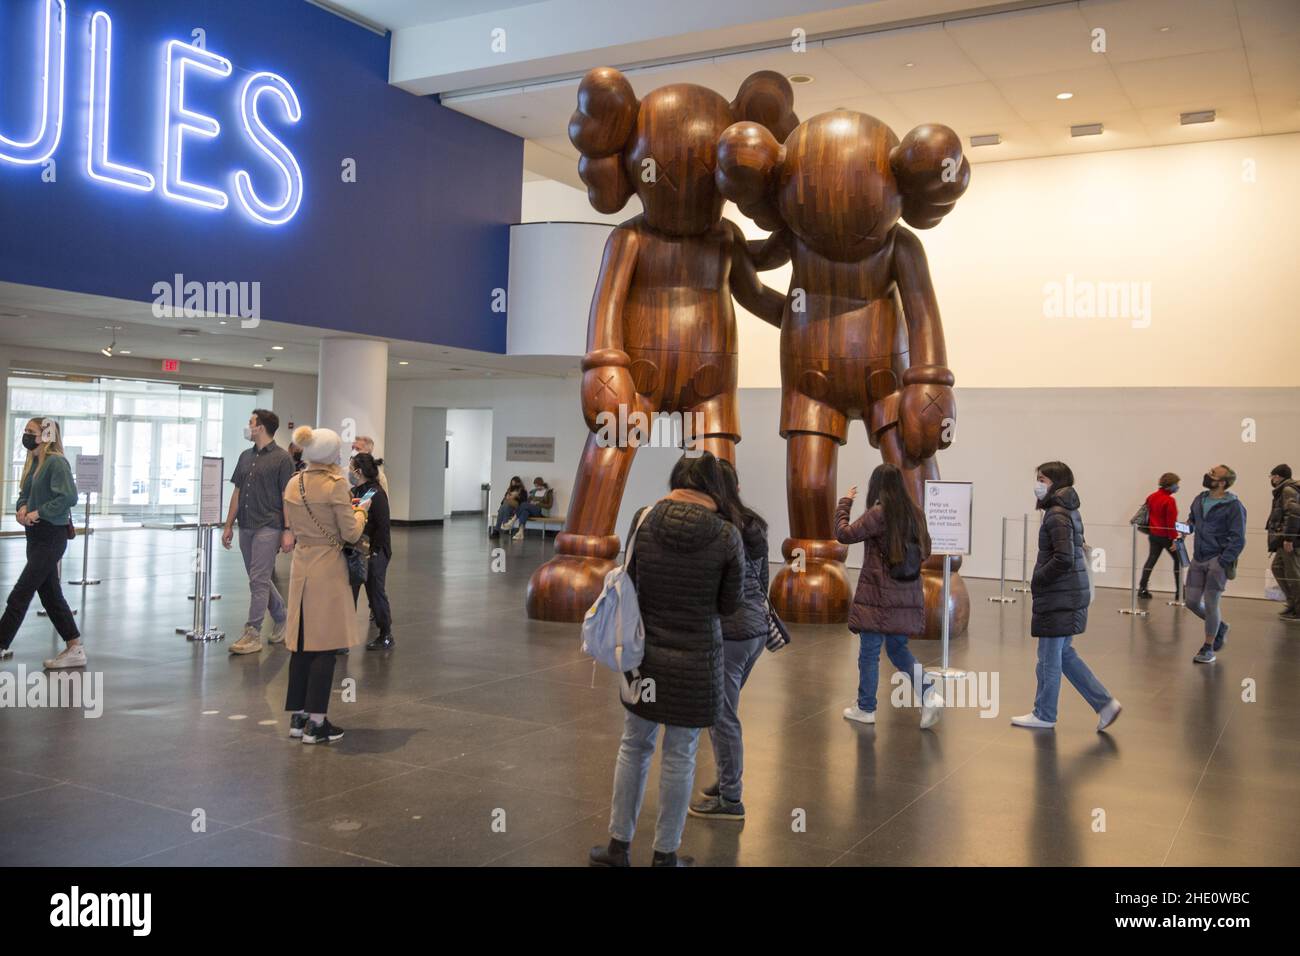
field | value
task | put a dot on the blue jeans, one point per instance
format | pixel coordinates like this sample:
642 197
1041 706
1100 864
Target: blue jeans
739 658
525 511
869 665
1057 657
676 775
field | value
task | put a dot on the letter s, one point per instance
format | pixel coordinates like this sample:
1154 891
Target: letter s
273 214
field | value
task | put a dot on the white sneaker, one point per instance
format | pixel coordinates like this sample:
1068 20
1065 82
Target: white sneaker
931 707
510 524
1029 720
1108 714
861 716
519 535
70 657
277 632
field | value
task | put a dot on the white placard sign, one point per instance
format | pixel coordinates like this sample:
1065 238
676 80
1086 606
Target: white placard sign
948 513
90 474
210 491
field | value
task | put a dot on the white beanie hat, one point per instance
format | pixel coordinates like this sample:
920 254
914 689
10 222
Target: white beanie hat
318 444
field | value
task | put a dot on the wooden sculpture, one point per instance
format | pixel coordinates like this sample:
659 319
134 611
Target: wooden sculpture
661 334
860 334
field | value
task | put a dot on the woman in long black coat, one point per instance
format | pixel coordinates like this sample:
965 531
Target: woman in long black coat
1061 592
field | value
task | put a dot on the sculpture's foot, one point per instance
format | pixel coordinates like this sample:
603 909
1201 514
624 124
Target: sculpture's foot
958 604
564 587
818 594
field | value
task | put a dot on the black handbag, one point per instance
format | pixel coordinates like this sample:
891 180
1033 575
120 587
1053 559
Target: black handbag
356 555
778 636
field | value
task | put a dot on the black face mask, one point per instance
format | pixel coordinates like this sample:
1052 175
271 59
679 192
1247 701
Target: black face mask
297 458
29 441
1208 481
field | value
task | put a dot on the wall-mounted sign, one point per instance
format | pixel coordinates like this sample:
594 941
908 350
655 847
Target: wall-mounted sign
263 97
948 512
530 449
171 365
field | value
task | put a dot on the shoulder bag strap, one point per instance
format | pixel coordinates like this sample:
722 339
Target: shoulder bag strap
302 490
631 541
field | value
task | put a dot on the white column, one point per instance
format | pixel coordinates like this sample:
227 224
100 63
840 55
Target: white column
352 389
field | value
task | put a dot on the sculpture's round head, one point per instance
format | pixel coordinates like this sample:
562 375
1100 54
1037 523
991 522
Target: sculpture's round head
665 147
842 180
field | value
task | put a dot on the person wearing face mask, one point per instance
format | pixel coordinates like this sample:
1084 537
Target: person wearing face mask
296 454
365 445
46 495
1218 523
257 502
1162 514
365 480
1061 594
1284 539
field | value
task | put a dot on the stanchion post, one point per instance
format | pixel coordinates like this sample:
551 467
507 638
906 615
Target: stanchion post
85 550
1178 587
1001 597
1133 581
1023 587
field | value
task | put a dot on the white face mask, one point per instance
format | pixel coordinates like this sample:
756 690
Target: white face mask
248 433
1041 490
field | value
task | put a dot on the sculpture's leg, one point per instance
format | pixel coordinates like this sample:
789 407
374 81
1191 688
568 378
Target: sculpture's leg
932 572
564 587
811 587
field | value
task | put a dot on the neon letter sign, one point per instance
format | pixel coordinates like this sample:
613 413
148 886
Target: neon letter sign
38 150
98 164
271 214
179 121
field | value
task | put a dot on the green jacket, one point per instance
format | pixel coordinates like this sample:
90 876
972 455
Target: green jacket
51 491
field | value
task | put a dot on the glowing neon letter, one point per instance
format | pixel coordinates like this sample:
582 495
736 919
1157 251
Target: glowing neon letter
277 214
101 74
38 150
179 121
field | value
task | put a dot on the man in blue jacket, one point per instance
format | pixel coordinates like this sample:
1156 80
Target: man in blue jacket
1218 521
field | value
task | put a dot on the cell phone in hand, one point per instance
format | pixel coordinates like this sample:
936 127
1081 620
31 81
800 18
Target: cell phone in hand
367 496
1182 527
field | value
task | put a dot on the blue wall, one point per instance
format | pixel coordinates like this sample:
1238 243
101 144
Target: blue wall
411 250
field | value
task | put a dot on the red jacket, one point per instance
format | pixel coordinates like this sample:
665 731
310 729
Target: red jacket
1162 512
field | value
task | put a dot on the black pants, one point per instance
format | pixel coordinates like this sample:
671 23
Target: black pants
45 546
1158 547
311 675
376 593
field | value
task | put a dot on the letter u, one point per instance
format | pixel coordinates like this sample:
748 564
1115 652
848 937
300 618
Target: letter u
49 76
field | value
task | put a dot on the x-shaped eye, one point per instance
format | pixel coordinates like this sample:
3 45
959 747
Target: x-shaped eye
606 387
932 403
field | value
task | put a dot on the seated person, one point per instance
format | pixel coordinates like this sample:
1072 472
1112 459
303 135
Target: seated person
510 502
539 502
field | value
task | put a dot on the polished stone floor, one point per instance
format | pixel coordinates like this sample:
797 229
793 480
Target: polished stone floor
486 738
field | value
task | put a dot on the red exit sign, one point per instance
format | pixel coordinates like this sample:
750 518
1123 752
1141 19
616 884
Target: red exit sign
171 365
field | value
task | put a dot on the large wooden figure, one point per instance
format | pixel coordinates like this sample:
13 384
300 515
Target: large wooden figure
860 335
662 332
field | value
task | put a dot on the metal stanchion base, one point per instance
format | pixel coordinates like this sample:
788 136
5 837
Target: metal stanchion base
82 584
946 672
1129 610
1023 590
214 597
1176 603
1000 599
202 636
45 614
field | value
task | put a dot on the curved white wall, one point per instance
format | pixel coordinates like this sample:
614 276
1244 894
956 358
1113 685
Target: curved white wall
553 268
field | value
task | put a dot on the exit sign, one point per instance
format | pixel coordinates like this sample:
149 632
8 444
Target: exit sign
171 365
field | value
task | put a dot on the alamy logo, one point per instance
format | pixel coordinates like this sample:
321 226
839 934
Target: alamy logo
53 689
661 430
1086 299
179 299
134 910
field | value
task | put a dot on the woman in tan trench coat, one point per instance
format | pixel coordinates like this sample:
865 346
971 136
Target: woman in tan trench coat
320 518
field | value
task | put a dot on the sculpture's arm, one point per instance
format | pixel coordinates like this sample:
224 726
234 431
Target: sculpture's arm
749 290
606 381
927 409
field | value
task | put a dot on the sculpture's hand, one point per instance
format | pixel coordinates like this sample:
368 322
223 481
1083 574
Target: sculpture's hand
606 385
927 413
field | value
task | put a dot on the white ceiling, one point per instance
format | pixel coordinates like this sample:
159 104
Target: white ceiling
35 318
1000 73
399 14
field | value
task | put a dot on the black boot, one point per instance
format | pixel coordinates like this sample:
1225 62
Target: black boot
671 859
613 855
384 642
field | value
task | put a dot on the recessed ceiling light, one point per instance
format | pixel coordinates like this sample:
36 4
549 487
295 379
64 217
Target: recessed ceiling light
800 78
124 352
222 322
403 363
1065 96
1166 29
277 348
257 365
909 64
196 360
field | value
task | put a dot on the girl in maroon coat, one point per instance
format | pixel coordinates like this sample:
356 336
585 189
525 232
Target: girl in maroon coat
889 603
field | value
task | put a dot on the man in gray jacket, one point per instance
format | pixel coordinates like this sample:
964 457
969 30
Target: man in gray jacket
1284 539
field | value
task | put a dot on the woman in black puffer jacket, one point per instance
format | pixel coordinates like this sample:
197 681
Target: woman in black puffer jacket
688 569
744 635
1061 594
